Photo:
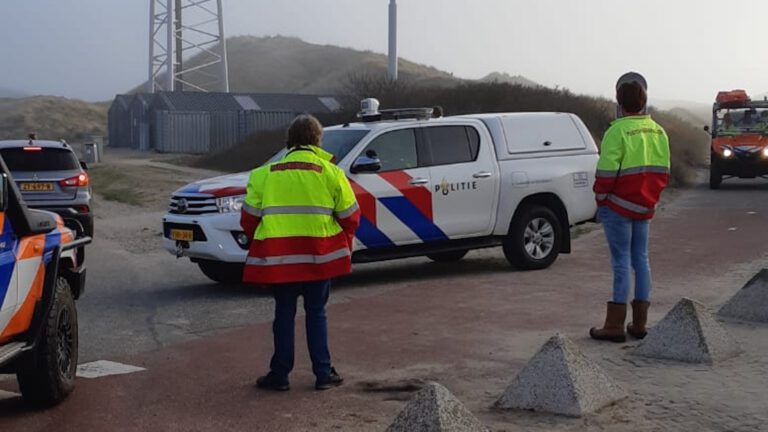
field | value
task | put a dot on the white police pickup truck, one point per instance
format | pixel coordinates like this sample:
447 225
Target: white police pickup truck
434 187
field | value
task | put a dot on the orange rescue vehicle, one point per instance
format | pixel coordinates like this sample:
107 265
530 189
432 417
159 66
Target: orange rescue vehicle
739 137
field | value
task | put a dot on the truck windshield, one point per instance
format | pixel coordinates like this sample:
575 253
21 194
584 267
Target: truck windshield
736 121
338 142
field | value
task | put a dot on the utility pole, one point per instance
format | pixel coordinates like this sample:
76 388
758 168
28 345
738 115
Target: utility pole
187 47
392 71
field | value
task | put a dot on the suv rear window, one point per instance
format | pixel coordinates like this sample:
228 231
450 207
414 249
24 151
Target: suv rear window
45 159
452 144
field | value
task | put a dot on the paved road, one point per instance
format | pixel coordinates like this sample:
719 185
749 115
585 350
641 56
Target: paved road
142 302
704 243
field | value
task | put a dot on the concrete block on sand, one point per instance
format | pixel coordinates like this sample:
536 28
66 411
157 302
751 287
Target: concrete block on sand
435 409
751 302
689 333
560 379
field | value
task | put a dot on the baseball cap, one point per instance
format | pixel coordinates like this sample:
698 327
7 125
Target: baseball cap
632 77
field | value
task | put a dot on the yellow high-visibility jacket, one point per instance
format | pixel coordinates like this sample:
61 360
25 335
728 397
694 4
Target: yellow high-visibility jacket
302 215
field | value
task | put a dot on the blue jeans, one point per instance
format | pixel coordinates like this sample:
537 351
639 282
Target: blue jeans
315 295
628 241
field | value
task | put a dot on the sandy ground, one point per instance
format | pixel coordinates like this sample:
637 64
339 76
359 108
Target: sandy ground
152 178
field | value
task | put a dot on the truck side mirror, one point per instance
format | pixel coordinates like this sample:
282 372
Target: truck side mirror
3 192
366 164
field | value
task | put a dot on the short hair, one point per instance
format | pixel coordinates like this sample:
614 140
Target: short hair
437 111
304 130
632 97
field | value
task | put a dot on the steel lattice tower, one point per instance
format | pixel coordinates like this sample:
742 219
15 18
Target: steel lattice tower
180 30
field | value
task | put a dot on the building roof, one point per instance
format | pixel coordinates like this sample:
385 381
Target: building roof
122 101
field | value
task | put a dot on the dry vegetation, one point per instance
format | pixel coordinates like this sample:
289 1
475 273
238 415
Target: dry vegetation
282 64
52 118
689 144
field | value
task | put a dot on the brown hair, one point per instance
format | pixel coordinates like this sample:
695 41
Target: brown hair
632 97
304 130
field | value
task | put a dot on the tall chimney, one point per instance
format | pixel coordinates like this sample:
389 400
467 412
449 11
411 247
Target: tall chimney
393 40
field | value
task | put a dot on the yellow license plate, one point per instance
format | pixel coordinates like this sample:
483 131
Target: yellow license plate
36 187
181 235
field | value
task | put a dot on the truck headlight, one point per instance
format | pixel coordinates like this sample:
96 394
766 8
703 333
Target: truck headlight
765 152
727 153
230 204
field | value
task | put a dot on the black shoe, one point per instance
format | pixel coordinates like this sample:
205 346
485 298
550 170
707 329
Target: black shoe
332 380
271 382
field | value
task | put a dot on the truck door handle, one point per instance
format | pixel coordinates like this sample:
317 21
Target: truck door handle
418 181
482 174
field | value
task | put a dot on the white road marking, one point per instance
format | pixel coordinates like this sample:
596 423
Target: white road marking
102 368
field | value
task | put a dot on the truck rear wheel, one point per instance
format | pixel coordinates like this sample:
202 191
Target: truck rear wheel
55 357
451 256
222 272
534 239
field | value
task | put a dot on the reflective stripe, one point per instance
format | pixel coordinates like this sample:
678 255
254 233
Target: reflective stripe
253 211
629 205
286 210
606 173
644 169
298 259
348 212
601 196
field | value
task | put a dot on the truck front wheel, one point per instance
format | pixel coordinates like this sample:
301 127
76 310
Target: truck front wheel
55 357
534 239
715 175
222 272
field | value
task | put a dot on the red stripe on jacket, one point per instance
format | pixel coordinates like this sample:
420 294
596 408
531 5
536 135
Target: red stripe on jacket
643 189
282 246
291 273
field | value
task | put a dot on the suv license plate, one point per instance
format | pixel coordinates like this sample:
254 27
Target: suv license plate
36 187
182 235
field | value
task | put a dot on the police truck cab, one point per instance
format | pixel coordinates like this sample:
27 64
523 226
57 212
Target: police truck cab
435 187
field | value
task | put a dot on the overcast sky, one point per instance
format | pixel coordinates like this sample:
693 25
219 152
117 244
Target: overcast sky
688 49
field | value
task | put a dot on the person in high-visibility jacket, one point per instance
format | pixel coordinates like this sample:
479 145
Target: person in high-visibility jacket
762 126
302 215
632 172
728 127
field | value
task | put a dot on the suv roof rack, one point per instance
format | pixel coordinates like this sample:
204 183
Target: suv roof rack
370 112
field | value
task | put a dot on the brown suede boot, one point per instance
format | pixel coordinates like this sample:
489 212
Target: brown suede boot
639 319
613 330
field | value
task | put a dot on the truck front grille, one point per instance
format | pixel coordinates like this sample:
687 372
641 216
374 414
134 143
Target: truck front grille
192 204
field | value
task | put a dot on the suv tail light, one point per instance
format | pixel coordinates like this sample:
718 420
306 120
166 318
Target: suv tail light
78 180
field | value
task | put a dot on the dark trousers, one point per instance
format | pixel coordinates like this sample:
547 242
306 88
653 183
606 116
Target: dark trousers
315 295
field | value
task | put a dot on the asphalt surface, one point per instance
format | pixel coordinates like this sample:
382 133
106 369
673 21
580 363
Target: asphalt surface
143 302
142 306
